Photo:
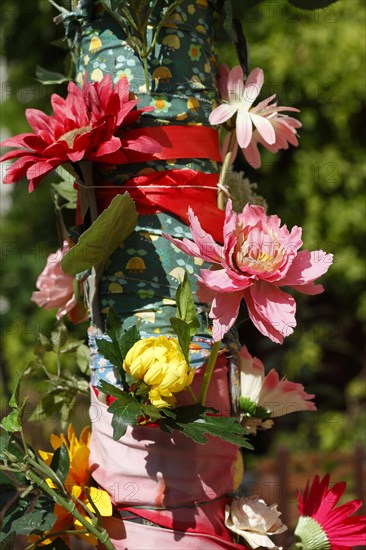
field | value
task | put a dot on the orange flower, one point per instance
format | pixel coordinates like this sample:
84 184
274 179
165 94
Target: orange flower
76 483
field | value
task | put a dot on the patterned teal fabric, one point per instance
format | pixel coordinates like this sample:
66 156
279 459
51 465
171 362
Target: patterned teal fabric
141 277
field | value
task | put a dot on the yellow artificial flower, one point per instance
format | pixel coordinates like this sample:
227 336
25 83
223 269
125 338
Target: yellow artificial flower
76 483
160 363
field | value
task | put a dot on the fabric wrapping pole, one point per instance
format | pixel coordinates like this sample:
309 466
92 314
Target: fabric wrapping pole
141 277
174 191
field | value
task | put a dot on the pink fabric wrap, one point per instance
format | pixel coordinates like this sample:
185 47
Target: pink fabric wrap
131 536
154 469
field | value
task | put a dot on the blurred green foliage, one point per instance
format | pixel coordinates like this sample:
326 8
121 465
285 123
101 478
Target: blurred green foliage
313 61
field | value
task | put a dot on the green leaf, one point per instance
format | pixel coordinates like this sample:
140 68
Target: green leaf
109 350
186 309
50 77
227 429
60 463
311 4
124 339
11 423
39 520
59 336
183 332
83 358
103 237
125 412
67 192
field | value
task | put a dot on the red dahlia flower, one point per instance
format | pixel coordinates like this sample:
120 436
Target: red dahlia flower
83 126
321 526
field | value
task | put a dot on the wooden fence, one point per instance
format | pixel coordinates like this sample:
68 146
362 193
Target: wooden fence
278 480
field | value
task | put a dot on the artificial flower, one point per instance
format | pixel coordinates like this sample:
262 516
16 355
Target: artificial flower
321 526
254 520
56 289
83 126
257 258
76 484
265 397
273 130
160 364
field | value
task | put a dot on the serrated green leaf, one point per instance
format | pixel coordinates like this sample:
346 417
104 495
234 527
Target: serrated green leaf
227 429
125 412
60 463
48 78
109 389
103 237
109 350
39 520
312 4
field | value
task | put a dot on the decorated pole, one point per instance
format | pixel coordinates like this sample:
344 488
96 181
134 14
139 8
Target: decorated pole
167 490
161 266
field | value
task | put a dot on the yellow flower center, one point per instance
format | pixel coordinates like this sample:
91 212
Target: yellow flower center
70 136
264 256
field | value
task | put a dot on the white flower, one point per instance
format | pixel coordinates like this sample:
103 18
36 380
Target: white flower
263 397
254 520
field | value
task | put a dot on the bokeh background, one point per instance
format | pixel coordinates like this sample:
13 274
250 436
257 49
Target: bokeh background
313 60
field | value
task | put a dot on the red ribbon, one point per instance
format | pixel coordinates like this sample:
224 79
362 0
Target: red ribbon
166 192
178 142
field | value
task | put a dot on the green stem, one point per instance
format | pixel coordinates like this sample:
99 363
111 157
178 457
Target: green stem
146 72
100 533
194 399
224 168
209 370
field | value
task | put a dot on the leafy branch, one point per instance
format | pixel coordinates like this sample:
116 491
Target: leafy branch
33 487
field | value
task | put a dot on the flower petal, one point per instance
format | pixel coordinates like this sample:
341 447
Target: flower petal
222 113
244 128
224 312
264 127
306 267
271 310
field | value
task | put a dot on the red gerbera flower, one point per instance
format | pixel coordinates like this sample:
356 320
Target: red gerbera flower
83 126
321 526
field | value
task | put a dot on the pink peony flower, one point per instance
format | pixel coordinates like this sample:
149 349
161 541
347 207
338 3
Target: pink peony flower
257 258
254 520
265 397
273 130
321 526
83 126
56 289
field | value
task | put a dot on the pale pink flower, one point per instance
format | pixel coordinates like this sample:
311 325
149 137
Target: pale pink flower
285 128
258 257
254 520
263 397
272 129
55 289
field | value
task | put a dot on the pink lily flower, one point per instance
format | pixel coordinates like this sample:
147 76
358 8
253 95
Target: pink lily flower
257 258
263 397
273 130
